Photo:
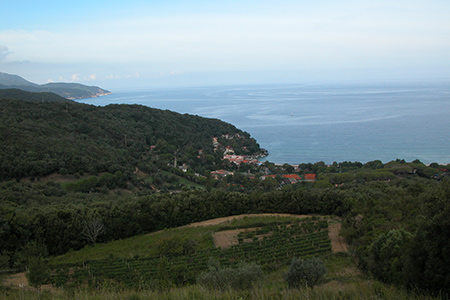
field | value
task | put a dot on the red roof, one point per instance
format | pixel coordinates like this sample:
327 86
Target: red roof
294 176
310 176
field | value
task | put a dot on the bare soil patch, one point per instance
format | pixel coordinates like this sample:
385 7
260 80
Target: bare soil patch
226 239
338 243
16 280
20 280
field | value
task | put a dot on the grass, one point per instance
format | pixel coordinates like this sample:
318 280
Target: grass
142 246
271 287
184 180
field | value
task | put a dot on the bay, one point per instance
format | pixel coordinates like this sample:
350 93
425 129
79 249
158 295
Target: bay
320 122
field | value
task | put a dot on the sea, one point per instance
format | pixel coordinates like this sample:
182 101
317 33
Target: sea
301 123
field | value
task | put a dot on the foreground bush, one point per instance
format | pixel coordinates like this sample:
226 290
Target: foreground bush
240 278
305 272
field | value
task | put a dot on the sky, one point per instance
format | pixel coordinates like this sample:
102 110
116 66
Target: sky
138 44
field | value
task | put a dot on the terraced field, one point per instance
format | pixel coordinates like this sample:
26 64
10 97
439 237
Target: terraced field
271 244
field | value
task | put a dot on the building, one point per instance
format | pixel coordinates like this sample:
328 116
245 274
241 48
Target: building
220 174
310 177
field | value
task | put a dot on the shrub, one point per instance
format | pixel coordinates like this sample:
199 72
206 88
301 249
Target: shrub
38 273
240 278
305 272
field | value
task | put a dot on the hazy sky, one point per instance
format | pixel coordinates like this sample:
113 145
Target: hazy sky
149 43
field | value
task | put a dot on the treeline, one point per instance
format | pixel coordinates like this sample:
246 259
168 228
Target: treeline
42 138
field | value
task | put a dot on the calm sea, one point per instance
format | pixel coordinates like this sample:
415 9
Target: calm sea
311 123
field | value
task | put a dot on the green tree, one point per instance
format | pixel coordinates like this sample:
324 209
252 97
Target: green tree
429 256
31 251
386 255
208 181
38 273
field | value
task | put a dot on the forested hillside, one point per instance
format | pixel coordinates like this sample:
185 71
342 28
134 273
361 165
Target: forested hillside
18 94
41 138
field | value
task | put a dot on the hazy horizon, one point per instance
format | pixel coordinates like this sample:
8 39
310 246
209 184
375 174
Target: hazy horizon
137 44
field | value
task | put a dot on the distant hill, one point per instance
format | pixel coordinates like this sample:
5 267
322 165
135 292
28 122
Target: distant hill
66 90
41 138
30 96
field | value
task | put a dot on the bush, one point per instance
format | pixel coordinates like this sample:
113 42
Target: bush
240 278
305 272
38 273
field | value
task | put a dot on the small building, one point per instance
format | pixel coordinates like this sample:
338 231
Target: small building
220 174
291 178
237 159
310 177
268 176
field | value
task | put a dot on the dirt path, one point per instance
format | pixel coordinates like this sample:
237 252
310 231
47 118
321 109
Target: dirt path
230 218
338 243
19 280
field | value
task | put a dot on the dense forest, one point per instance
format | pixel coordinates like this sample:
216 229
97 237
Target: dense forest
104 170
18 94
42 138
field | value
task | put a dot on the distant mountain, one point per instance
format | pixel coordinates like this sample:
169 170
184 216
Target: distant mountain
66 90
14 80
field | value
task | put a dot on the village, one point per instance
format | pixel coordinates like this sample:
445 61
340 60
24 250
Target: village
236 168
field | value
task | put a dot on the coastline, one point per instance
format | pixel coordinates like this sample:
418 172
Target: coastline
328 123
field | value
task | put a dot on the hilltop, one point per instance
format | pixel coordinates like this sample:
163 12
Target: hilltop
66 90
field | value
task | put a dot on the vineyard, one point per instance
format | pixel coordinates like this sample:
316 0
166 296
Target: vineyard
272 246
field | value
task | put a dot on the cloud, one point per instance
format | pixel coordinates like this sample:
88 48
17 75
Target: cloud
348 34
113 76
135 75
4 51
171 73
75 77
